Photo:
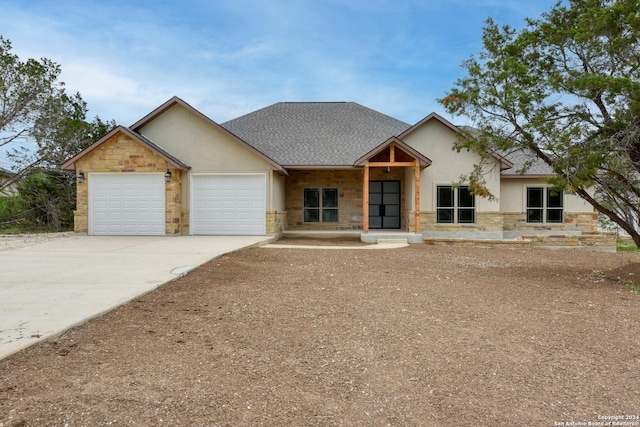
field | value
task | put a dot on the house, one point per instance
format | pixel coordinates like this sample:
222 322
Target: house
8 186
307 166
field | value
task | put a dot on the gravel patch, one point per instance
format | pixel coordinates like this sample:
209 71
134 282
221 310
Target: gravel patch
15 241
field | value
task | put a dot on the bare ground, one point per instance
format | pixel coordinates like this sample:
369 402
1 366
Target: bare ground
420 336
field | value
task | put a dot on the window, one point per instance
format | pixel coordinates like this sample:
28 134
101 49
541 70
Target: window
320 205
455 205
544 205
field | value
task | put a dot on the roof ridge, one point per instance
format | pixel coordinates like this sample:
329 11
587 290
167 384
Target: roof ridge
317 102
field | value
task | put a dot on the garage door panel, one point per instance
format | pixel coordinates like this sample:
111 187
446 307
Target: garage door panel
229 205
127 204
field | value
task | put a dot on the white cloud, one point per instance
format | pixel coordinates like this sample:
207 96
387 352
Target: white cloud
230 57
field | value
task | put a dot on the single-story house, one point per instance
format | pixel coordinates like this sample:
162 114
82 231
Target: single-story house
306 166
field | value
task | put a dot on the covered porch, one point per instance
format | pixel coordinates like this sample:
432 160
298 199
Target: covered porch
379 194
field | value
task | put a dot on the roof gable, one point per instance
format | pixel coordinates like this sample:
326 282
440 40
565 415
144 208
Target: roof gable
505 163
137 126
164 107
414 154
432 116
307 134
171 159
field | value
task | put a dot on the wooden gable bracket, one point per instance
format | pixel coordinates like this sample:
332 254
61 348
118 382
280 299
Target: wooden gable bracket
399 155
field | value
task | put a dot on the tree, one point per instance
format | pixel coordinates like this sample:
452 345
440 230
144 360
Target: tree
47 198
34 107
565 89
60 133
25 87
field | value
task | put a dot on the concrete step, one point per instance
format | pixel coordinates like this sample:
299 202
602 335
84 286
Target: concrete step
378 237
392 241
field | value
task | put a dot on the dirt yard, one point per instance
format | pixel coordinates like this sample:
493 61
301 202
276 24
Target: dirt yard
418 336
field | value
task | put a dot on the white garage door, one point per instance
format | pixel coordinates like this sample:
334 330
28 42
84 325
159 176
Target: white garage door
126 204
228 205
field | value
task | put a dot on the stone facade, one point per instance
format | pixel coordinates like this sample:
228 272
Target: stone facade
507 225
515 223
121 153
487 225
350 187
173 203
276 222
589 241
349 184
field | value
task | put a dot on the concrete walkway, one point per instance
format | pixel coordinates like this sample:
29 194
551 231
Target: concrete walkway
50 287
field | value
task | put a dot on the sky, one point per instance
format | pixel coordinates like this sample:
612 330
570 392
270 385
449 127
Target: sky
228 58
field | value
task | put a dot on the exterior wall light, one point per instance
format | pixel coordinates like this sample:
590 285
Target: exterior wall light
167 176
80 176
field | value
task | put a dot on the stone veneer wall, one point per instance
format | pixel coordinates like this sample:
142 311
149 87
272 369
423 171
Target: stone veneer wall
276 222
121 153
589 240
173 203
350 185
506 225
487 225
573 221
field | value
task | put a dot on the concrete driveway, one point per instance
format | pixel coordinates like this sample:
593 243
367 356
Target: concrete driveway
50 287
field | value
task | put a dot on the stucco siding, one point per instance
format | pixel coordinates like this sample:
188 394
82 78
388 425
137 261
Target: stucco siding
199 143
435 140
203 146
514 196
277 202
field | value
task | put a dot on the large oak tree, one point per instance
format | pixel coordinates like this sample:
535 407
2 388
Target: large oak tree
566 90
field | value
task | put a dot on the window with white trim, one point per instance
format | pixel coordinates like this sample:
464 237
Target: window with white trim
320 205
544 204
455 205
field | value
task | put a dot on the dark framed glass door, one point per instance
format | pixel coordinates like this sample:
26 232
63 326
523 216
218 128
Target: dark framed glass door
384 204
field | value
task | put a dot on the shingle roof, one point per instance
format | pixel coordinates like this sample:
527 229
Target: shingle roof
315 133
535 166
520 159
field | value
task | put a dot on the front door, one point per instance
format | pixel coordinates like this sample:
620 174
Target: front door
384 204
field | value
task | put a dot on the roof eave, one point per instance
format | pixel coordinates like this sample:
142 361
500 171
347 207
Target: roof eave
424 161
316 167
532 176
432 116
174 162
177 101
504 163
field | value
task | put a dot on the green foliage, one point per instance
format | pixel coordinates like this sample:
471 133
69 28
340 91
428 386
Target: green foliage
11 209
35 107
566 90
65 131
26 89
626 245
48 198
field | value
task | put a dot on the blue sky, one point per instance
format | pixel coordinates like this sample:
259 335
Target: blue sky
230 57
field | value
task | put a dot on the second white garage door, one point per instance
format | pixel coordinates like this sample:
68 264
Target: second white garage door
126 204
228 205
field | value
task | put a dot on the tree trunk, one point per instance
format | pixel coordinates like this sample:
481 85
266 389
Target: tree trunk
612 216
